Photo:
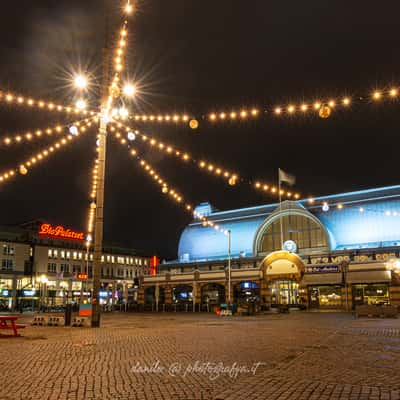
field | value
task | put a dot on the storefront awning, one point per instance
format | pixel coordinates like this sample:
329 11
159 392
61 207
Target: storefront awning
369 277
332 278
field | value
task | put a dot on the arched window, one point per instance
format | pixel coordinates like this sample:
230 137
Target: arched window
306 232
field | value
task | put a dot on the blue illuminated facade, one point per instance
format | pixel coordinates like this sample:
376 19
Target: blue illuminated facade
367 219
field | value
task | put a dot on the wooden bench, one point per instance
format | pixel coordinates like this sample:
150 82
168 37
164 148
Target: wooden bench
8 322
376 311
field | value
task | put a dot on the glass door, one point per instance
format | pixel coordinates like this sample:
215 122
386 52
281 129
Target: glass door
284 292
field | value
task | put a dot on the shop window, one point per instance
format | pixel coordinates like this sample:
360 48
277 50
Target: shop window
7 265
325 296
370 294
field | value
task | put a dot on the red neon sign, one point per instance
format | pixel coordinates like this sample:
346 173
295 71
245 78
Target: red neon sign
154 263
59 232
82 276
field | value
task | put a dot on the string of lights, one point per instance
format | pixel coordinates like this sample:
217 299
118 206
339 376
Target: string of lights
325 206
322 107
231 178
30 136
169 191
12 98
40 156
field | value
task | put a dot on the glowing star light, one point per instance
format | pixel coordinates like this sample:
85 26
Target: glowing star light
73 130
131 136
80 82
81 104
129 90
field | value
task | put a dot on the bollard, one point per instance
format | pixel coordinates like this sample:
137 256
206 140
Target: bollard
68 315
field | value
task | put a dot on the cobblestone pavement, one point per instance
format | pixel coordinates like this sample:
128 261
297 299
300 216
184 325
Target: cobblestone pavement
294 356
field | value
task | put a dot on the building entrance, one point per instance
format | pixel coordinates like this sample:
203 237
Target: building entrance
284 292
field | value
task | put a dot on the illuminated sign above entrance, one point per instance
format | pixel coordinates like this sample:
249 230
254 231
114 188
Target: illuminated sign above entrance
59 232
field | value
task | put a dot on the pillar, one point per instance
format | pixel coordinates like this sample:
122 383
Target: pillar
14 294
394 295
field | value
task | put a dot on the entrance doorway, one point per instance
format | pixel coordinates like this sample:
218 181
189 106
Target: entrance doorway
284 292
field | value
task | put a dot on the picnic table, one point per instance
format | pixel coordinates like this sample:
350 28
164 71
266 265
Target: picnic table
8 322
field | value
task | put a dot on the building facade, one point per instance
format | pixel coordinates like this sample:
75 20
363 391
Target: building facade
49 270
329 252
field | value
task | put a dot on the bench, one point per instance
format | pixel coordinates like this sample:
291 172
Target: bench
8 322
372 311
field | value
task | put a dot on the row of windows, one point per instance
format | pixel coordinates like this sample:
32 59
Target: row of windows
8 250
52 267
66 255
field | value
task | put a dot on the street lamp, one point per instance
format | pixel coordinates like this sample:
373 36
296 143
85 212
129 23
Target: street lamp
129 90
80 82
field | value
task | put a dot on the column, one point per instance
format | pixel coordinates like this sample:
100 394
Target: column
14 294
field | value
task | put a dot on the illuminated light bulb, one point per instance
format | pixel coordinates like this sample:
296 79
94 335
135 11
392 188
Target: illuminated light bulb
361 209
377 95
144 117
167 118
226 174
325 207
29 136
73 130
218 171
7 140
129 8
254 112
289 194
20 100
388 213
31 102
131 136
80 82
265 187
243 114
222 115
213 117
119 67
210 167
304 107
317 105
160 118
331 103
122 43
194 124
202 164
278 110
311 200
340 206
232 181
296 196
393 92
233 115
176 118
161 145
81 104
129 90
291 109
124 32
9 97
153 142
186 157
258 185
273 190
123 112
152 117
41 104
324 112
346 101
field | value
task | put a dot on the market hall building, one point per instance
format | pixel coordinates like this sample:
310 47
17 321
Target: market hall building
338 251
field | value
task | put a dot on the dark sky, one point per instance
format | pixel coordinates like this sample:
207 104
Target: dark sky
197 57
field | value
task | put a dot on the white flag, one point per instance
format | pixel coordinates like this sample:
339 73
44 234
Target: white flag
285 177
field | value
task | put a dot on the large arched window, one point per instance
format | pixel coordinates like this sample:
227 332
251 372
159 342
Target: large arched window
307 233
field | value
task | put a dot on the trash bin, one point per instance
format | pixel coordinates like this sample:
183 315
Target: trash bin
68 315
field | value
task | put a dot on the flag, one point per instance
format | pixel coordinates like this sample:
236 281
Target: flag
285 177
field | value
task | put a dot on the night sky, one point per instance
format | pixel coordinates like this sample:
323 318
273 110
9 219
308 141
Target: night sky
198 57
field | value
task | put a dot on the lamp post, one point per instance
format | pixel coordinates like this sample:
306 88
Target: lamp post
229 266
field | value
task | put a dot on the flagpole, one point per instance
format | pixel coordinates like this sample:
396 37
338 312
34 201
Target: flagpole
280 206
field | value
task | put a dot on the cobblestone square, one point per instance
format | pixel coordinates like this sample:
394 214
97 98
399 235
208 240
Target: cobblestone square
203 356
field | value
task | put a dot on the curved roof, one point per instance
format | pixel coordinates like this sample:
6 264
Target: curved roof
377 225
